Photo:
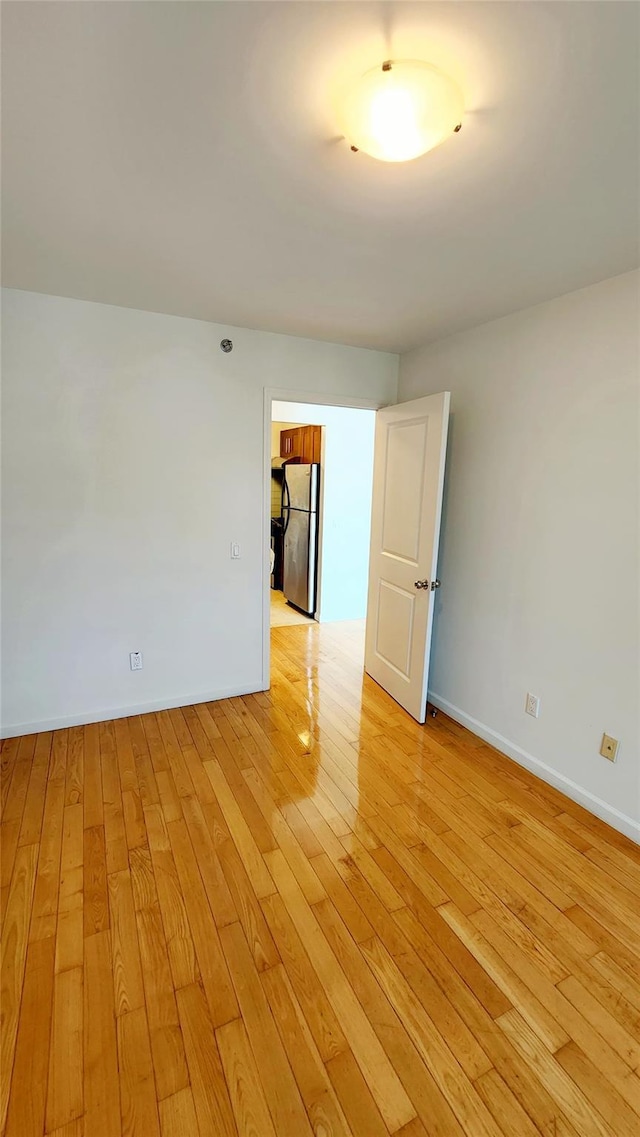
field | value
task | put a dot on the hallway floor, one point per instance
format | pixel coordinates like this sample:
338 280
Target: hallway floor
282 614
300 913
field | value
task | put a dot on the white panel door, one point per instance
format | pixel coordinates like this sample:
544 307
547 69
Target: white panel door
408 477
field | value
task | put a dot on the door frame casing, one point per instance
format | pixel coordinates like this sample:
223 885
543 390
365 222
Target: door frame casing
271 395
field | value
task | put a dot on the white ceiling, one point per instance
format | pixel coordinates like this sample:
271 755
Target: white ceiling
184 158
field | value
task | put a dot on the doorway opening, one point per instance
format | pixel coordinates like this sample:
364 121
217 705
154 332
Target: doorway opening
359 540
321 483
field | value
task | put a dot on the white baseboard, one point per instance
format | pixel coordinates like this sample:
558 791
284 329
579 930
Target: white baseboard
86 717
608 813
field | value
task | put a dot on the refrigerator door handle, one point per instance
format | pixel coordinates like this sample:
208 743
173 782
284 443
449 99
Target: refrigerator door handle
285 508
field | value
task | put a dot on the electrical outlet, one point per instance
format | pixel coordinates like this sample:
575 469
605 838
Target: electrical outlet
609 747
532 705
135 660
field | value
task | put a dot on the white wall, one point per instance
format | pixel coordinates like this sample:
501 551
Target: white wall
539 552
133 456
346 484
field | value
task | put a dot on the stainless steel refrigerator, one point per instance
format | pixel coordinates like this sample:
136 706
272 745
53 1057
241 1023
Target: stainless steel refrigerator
300 487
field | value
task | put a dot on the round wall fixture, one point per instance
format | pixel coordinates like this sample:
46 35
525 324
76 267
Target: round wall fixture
401 109
226 345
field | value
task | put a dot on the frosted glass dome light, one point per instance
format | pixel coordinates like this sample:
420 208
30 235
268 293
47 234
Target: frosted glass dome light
401 110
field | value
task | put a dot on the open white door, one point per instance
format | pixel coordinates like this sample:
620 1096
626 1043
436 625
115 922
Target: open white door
408 477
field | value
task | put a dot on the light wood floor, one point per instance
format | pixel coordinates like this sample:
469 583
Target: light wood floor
282 614
301 912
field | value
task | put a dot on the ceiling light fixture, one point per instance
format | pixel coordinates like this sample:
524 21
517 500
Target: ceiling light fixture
401 110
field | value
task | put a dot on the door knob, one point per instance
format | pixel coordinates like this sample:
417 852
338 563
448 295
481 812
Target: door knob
421 583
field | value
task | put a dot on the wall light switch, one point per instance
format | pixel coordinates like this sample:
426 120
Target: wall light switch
235 551
609 747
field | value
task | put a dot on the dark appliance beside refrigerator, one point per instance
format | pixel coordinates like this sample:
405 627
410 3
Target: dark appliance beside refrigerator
277 544
300 489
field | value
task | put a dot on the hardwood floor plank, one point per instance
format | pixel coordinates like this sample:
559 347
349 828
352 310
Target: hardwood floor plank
147 785
439 1060
31 825
505 1107
65 1099
217 889
621 1117
45 900
247 907
167 1047
101 1083
391 1098
168 795
140 1117
241 834
602 938
70 927
278 1083
210 1094
247 1097
355 1096
213 968
509 1064
14 957
143 881
19 782
358 855
570 1099
392 1032
432 922
342 898
516 990
127 973
320 1016
603 1022
134 824
323 1109
285 840
8 759
232 761
92 797
73 1129
617 977
74 781
96 901
26 1117
178 1115
175 758
578 1028
115 836
600 834
125 755
182 953
9 838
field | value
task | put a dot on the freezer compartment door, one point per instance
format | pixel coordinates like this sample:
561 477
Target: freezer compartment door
299 584
302 484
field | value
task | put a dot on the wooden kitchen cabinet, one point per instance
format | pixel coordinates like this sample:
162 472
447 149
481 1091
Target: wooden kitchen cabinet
301 442
290 443
311 443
